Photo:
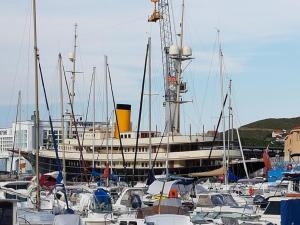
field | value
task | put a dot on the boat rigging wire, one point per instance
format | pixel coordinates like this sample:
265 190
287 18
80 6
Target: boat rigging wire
163 135
15 132
54 140
140 110
117 122
81 160
216 131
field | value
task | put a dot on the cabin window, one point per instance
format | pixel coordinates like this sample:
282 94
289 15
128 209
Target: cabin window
123 222
129 135
125 135
132 223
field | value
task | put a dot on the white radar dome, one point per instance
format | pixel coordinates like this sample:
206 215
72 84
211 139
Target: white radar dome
71 56
173 50
186 51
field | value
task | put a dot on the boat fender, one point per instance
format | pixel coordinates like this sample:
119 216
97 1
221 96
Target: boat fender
173 193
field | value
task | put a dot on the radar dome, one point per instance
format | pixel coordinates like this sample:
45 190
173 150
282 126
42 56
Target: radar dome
186 51
173 50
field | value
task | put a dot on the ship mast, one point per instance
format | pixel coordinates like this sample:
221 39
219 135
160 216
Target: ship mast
172 58
37 120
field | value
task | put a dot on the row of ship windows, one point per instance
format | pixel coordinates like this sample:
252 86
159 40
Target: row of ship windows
125 135
133 150
157 164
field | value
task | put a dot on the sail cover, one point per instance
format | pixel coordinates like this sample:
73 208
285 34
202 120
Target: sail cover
216 172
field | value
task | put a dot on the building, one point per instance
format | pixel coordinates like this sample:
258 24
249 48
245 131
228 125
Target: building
292 143
6 141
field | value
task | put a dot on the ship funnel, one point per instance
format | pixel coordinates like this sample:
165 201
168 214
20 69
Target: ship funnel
123 112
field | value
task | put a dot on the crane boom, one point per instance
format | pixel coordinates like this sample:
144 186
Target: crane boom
162 13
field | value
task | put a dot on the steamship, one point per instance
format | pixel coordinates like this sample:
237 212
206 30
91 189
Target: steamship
113 144
174 154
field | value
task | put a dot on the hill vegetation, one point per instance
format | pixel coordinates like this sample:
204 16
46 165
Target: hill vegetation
259 133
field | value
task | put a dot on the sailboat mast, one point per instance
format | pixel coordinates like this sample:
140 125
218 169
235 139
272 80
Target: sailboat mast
19 147
106 97
94 113
150 133
230 128
37 120
74 64
62 118
73 60
222 107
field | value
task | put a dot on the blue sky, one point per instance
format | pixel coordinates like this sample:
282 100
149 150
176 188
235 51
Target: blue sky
260 42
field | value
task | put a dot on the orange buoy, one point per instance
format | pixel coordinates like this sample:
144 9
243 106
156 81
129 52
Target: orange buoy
173 193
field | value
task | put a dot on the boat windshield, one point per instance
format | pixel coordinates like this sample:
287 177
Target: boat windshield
100 206
217 200
229 201
126 198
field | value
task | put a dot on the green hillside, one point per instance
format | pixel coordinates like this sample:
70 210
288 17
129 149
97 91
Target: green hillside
259 133
272 123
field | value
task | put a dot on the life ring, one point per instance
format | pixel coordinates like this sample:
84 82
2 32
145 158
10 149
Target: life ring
173 193
251 191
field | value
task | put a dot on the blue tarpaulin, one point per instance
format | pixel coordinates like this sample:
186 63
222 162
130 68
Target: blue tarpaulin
289 211
102 196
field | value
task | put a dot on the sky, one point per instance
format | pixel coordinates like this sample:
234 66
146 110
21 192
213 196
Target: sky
259 39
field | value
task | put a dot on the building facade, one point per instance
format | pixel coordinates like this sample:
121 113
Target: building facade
292 143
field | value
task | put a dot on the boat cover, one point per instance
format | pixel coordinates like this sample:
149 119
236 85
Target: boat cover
67 219
216 172
289 210
158 186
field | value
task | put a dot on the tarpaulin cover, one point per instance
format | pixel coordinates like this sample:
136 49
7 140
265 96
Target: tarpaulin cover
289 210
102 196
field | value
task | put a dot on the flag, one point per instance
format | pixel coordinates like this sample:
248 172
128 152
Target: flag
106 172
267 161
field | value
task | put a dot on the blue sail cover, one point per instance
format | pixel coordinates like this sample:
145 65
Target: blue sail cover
289 210
276 174
102 196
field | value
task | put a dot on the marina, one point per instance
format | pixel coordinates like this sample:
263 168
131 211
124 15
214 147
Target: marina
144 161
